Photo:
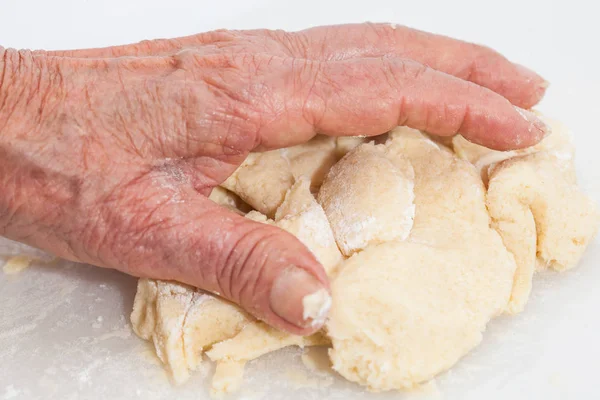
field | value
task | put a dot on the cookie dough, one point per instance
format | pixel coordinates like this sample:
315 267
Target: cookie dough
424 239
404 311
368 197
182 322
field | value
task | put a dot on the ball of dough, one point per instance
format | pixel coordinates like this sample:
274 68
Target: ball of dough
409 302
368 198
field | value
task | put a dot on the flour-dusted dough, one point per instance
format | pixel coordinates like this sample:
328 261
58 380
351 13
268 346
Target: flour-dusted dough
181 322
302 216
257 339
405 311
229 200
345 144
368 197
407 303
263 179
312 160
541 214
535 204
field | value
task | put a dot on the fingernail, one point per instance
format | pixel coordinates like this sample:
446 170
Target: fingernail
535 121
300 299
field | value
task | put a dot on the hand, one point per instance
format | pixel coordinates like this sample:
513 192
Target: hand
107 156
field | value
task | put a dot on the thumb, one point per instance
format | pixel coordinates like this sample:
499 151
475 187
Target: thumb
264 269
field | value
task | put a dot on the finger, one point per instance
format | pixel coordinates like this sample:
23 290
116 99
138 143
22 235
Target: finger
157 47
478 64
371 96
178 234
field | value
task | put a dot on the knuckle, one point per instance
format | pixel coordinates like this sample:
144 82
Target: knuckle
399 72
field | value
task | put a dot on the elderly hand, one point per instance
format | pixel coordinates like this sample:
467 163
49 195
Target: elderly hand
107 156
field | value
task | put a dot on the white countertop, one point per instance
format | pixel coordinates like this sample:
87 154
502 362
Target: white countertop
64 329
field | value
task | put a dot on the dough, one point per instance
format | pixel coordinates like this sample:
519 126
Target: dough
257 339
312 160
345 144
535 204
368 197
263 179
424 239
230 200
558 144
302 216
181 322
405 311
540 213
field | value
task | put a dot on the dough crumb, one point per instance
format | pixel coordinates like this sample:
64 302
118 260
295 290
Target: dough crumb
17 264
228 377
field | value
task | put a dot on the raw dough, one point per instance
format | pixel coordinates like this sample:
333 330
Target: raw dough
230 200
312 160
558 144
263 179
181 322
415 294
406 311
540 213
368 197
345 144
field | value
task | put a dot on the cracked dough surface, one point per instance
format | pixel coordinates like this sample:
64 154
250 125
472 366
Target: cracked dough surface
450 236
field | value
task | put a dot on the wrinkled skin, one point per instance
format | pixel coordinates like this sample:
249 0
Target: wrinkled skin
107 156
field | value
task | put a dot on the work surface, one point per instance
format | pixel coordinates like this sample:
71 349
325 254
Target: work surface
64 328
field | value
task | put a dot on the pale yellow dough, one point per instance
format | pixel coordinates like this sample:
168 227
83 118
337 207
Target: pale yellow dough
182 322
368 197
404 311
424 239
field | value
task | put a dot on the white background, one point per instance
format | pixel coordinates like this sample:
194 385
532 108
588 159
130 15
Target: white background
64 329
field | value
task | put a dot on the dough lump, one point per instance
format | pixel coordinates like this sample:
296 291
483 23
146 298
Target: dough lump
263 179
368 197
404 311
542 216
424 239
183 322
